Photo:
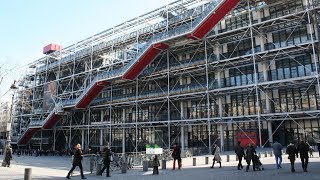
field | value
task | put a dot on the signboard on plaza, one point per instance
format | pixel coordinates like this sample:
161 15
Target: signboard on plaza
153 149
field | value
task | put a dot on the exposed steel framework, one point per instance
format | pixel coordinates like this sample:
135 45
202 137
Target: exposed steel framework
201 70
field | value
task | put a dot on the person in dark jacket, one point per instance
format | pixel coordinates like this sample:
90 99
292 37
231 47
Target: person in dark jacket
277 151
292 152
176 155
8 156
303 149
239 150
156 165
318 144
249 156
77 158
107 159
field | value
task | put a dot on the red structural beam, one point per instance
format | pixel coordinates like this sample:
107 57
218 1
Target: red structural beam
92 93
51 121
27 136
206 26
144 60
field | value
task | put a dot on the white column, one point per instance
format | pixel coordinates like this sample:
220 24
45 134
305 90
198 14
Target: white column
218 77
221 137
123 142
220 106
270 132
101 137
182 138
82 138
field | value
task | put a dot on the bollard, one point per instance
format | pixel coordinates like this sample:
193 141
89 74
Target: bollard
164 164
237 159
228 158
259 154
265 154
124 167
207 160
271 154
194 161
98 169
27 173
145 165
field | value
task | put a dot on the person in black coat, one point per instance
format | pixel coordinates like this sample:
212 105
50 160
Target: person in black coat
8 156
318 144
176 155
303 149
107 159
77 158
249 156
292 152
239 150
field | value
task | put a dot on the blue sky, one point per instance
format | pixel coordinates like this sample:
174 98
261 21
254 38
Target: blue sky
26 26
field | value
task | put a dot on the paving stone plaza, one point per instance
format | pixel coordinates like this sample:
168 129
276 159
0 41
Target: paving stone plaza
48 167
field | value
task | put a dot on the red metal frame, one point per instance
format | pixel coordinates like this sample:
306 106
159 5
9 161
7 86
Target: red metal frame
213 19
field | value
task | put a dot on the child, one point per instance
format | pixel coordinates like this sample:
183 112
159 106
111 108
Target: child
156 165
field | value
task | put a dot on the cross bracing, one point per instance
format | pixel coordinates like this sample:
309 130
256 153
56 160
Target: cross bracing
256 71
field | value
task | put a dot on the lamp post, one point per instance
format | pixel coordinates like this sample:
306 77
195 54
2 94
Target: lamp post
8 130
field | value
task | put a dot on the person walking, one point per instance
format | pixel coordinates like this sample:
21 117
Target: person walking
107 159
92 159
303 149
249 156
318 145
216 153
77 161
292 152
277 148
239 150
156 165
8 156
176 155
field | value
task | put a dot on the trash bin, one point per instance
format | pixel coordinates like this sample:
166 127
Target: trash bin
164 164
98 169
145 165
124 167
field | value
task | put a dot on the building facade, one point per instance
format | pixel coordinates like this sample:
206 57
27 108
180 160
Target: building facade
254 78
4 119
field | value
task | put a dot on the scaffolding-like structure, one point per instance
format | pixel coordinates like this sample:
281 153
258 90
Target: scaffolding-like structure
192 72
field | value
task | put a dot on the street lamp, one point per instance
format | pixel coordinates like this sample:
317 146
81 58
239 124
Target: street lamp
8 130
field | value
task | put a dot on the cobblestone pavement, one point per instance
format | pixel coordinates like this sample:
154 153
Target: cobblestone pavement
57 168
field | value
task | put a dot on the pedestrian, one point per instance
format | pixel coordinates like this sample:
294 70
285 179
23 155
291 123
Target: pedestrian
107 159
92 159
303 149
8 156
292 152
318 145
311 150
176 155
156 165
216 157
277 148
249 156
77 161
239 150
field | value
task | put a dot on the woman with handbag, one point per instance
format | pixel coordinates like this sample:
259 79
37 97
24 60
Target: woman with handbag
77 161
